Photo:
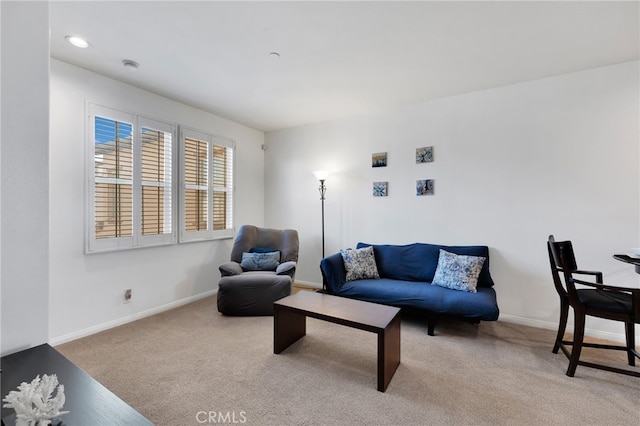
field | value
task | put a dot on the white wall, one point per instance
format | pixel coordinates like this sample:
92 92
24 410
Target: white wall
512 165
25 174
87 290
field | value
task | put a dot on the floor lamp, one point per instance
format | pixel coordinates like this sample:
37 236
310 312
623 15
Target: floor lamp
322 175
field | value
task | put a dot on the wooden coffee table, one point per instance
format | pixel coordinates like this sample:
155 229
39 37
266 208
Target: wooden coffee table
291 312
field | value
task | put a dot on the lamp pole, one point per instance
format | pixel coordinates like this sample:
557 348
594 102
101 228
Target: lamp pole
322 189
322 175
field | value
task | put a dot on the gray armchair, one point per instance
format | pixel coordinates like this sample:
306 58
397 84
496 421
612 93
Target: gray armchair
261 271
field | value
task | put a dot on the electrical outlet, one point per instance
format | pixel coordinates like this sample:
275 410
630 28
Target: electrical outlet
127 296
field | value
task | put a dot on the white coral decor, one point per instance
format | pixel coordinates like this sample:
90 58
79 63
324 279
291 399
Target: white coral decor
33 402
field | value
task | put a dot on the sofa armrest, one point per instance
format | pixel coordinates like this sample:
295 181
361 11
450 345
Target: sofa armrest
230 268
333 272
286 268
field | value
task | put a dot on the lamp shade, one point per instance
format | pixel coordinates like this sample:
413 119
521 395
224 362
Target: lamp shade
321 174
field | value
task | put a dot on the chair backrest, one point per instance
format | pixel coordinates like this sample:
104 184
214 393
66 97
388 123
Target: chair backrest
251 237
562 260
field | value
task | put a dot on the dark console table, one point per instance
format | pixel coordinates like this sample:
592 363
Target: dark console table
88 402
628 259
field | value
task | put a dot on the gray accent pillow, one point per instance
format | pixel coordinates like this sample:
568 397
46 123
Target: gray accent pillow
360 264
458 272
286 268
260 261
230 268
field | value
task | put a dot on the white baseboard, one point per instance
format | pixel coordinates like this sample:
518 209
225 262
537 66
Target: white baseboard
127 319
614 337
309 284
605 335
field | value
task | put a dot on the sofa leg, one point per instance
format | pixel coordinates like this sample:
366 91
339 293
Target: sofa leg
431 325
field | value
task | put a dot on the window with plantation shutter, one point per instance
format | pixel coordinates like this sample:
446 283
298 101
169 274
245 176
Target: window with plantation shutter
222 184
207 186
113 172
131 187
196 187
157 179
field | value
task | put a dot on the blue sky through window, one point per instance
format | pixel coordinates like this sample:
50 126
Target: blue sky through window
105 130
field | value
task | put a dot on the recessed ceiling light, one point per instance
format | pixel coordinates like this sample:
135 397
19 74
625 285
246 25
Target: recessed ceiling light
77 41
130 65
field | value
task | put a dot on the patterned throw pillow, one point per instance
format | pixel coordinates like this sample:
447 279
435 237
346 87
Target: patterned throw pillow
260 261
458 272
360 263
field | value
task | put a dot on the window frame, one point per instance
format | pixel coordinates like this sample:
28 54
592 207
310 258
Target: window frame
137 239
212 140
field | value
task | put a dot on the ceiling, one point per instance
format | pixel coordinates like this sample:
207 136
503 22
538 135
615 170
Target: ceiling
337 59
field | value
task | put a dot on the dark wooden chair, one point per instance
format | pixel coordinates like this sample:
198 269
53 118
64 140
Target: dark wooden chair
597 300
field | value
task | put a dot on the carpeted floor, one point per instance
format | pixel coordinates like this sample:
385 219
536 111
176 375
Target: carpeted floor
193 366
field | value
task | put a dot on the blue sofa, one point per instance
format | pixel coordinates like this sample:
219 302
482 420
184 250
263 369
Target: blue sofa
406 273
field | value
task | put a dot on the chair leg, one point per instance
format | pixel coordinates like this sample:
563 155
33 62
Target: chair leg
578 337
631 342
431 326
564 314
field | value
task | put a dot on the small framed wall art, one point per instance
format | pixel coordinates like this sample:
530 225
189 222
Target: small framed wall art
379 159
380 189
424 154
424 187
